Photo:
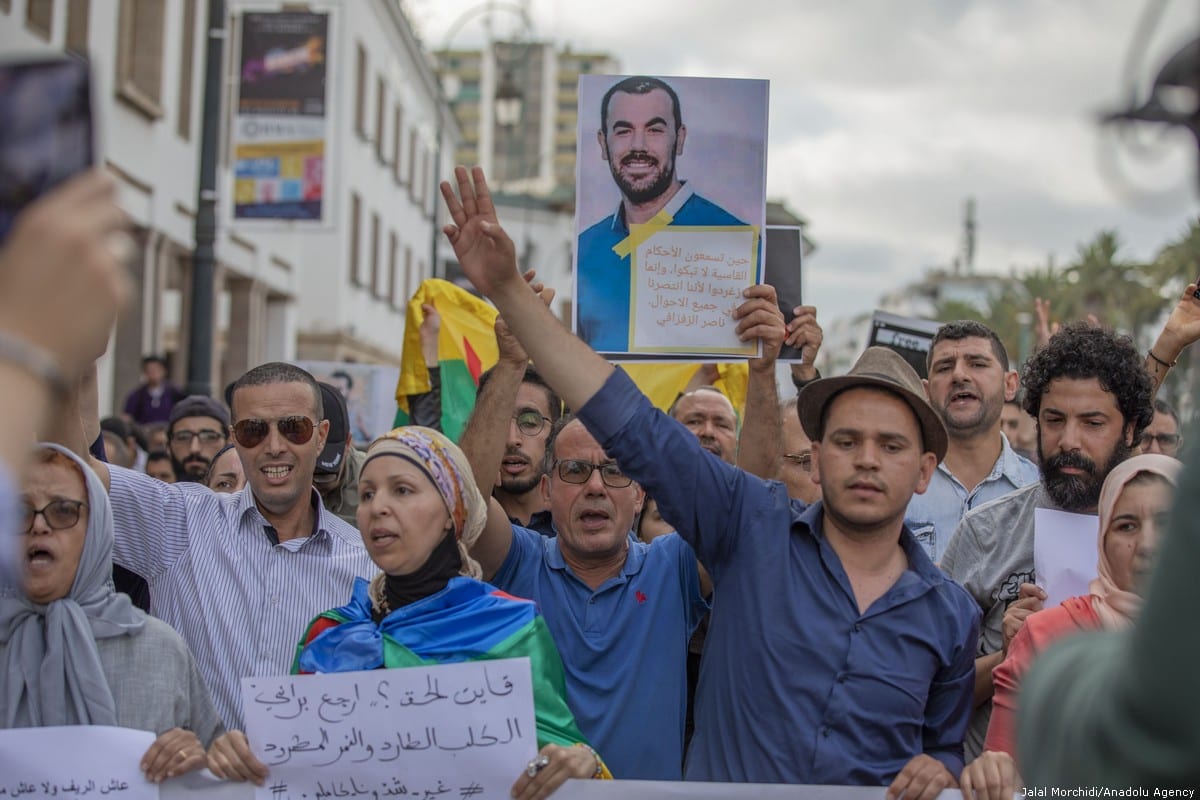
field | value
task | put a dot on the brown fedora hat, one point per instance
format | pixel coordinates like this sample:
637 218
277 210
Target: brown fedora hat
885 369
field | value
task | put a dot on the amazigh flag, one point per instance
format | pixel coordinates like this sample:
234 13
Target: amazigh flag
662 383
466 347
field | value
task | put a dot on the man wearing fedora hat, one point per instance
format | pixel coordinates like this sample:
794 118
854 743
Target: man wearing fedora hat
837 652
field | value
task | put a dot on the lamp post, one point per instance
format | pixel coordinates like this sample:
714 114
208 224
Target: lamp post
508 106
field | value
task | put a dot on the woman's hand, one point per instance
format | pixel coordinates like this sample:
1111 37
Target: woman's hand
992 776
553 765
173 753
230 758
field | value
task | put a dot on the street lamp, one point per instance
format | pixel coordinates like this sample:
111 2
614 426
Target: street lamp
509 101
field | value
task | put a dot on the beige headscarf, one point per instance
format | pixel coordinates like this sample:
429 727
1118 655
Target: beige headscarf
446 467
1116 607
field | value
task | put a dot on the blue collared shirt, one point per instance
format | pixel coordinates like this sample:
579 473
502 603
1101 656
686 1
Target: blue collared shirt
603 279
623 645
796 685
933 516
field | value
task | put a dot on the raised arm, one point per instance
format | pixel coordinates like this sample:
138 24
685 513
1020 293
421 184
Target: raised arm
489 260
1180 331
483 444
760 444
61 285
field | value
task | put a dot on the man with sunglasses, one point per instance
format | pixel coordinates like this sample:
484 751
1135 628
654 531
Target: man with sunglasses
239 575
196 430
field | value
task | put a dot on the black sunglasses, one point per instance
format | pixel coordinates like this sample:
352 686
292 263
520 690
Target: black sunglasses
252 432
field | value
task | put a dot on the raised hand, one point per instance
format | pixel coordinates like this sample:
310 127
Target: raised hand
759 317
484 250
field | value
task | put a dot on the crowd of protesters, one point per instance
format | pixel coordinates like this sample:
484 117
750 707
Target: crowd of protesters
834 589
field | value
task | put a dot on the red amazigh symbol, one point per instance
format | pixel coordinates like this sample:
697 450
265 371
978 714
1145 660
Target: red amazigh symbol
641 598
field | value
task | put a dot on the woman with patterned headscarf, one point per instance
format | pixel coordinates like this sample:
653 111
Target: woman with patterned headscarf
419 513
75 652
1134 503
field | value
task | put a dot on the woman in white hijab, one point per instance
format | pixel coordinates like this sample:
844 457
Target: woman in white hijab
75 652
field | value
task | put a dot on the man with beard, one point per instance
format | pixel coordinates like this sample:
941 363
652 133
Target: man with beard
513 388
197 429
641 134
969 382
1091 397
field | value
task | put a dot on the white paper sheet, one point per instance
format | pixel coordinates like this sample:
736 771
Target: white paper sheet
73 762
463 730
1064 553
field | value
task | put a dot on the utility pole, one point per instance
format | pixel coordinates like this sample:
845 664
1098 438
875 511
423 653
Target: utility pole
204 261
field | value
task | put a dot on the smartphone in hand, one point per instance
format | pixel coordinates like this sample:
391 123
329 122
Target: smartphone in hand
46 130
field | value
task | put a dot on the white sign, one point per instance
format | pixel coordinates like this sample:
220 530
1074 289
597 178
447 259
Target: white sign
687 282
465 730
1064 553
71 762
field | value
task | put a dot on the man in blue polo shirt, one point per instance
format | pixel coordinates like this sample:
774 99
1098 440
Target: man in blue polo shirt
837 653
641 134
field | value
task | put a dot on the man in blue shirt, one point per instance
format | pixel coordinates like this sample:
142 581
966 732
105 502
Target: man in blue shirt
641 134
837 654
969 382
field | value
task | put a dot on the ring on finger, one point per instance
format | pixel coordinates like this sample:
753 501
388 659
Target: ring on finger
536 765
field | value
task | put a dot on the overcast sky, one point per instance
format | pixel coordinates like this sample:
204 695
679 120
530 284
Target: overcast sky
885 116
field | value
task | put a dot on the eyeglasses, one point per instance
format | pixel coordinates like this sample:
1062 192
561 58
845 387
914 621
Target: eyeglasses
206 436
572 471
59 514
530 423
802 460
1165 440
251 432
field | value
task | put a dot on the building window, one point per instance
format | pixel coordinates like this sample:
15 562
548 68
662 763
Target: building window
393 254
187 50
360 92
5 5
380 110
376 287
355 224
412 163
77 26
139 55
39 17
408 284
397 130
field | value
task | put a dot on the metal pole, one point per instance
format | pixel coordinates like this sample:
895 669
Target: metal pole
200 330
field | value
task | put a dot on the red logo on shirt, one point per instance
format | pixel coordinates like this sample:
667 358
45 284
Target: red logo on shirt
641 598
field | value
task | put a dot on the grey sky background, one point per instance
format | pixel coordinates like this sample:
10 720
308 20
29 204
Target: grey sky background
885 116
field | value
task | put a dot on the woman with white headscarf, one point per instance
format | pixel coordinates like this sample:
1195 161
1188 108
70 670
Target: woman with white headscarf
73 650
1134 503
419 513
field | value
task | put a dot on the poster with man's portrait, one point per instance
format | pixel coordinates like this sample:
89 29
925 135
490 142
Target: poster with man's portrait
670 212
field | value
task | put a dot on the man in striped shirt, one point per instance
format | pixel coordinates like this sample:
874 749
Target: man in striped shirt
240 575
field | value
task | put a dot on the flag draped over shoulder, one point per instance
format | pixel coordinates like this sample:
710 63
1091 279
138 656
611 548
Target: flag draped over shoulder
466 347
662 383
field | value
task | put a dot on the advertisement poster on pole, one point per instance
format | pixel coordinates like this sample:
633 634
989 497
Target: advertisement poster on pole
280 126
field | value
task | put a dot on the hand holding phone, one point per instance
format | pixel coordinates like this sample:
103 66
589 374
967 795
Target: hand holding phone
46 132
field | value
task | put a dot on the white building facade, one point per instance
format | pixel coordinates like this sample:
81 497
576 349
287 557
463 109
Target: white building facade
334 290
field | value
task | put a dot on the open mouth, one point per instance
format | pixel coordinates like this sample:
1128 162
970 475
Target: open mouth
963 397
38 555
593 519
277 473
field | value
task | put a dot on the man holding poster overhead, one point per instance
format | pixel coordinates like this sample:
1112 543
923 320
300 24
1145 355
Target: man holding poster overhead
641 135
